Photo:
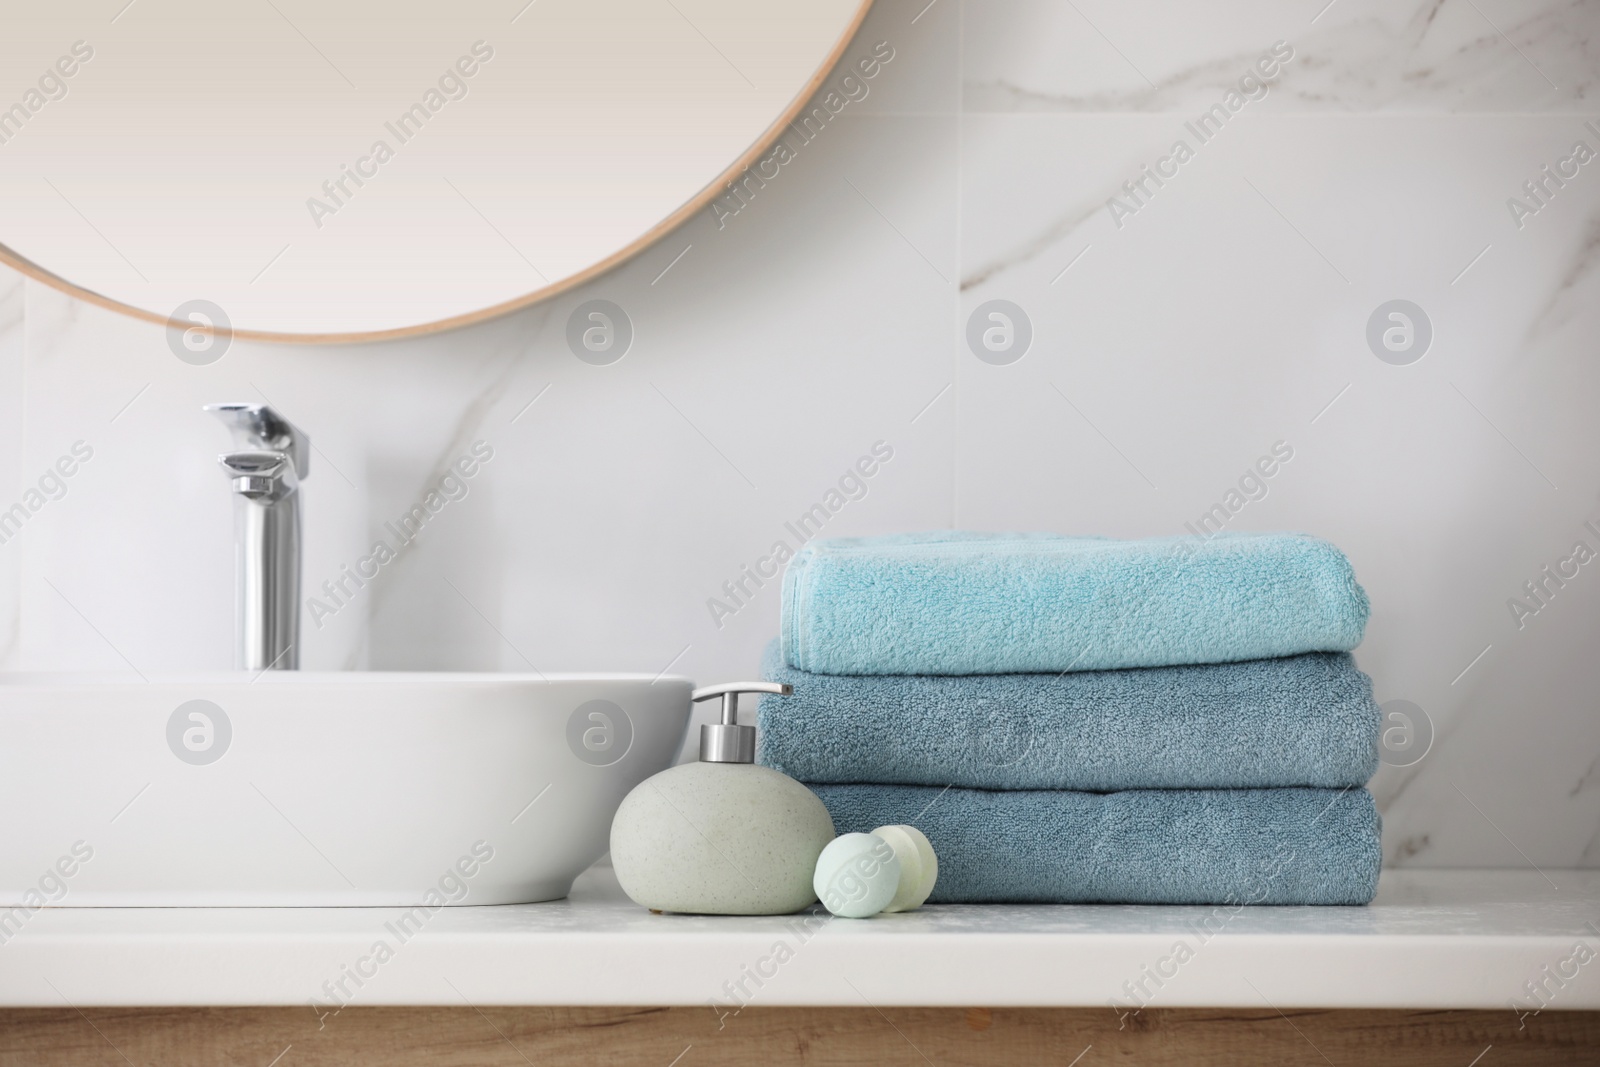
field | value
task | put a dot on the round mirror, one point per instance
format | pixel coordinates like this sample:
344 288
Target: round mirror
367 169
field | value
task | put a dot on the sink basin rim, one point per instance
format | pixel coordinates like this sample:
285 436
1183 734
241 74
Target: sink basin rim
73 679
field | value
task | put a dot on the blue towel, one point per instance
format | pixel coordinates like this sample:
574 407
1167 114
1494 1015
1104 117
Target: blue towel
961 603
1306 720
1200 846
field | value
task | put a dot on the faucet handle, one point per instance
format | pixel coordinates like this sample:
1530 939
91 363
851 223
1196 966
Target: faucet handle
257 427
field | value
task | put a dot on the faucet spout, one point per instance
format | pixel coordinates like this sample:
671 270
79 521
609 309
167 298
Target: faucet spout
265 477
262 476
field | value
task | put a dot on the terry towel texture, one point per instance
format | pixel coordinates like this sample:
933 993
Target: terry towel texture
1249 846
952 603
1306 720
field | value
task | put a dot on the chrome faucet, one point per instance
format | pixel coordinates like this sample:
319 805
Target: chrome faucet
272 456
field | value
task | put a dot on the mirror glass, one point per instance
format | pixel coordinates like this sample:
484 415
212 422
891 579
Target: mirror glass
367 169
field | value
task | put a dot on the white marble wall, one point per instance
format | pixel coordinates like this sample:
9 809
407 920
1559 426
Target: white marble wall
1171 347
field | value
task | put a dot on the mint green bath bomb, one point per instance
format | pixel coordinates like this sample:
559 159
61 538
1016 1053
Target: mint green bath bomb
857 876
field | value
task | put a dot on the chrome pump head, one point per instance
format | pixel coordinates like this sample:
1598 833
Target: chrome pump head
727 741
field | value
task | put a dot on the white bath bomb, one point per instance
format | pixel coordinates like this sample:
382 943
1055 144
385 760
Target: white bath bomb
919 866
857 875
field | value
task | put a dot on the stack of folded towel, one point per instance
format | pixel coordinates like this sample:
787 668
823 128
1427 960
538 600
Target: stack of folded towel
1171 721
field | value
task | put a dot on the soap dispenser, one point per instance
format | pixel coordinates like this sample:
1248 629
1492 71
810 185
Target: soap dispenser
721 836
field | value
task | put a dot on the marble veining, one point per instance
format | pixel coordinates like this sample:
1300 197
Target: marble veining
1567 298
471 424
1048 239
1351 56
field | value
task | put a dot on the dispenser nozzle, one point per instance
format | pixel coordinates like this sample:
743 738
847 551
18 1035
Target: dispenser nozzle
727 741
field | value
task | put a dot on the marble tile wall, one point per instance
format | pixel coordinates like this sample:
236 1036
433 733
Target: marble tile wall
1181 327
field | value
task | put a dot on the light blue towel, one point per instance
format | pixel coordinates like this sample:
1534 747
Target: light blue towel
1306 720
962 603
1201 846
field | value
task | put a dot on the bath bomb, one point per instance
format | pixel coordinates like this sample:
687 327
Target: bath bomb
919 867
857 875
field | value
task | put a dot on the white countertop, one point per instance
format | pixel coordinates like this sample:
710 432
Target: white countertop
1432 939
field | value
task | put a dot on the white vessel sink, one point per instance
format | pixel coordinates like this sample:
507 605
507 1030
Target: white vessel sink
319 789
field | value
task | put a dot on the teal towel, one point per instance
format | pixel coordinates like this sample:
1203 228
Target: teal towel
1200 846
1306 720
962 603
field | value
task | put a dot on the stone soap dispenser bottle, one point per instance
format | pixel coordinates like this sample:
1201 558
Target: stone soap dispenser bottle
721 836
